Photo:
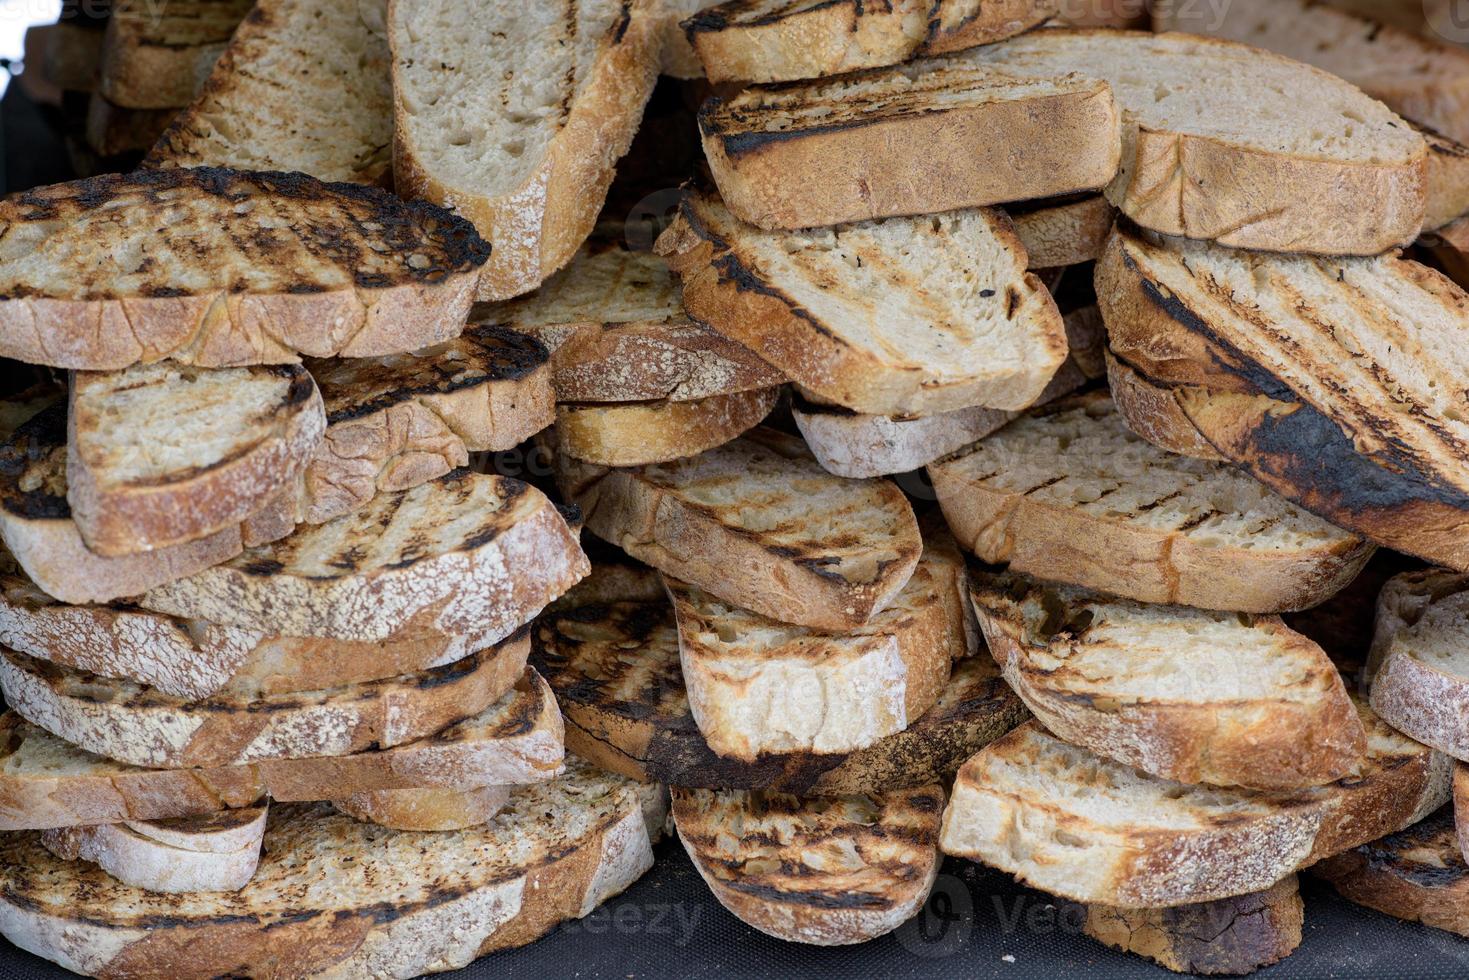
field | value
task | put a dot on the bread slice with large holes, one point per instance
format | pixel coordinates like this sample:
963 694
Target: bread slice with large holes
427 810
825 872
1420 674
838 150
1183 694
46 782
758 523
640 433
900 316
316 903
155 57
1069 493
515 117
1217 143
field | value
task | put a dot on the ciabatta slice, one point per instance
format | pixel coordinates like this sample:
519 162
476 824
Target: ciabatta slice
1420 684
640 433
216 853
156 56
1063 233
901 316
824 872
435 810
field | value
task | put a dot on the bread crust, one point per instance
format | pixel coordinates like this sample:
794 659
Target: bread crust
157 60
1065 233
1152 411
639 433
1423 701
426 810
112 130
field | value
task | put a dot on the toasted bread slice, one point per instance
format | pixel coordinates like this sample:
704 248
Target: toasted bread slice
1230 936
241 269
639 433
1063 233
902 316
112 130
1217 143
215 853
781 40
463 554
435 810
162 454
1420 684
304 85
825 872
1151 686
758 687
1448 180
46 782
678 57
1331 381
1154 412
1070 494
759 524
840 150
1401 603
156 56
316 903
515 116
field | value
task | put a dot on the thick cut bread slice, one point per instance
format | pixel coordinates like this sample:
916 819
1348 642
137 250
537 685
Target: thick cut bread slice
1335 382
758 687
613 321
840 150
317 902
1420 684
1401 603
130 723
1228 937
155 56
1070 494
758 523
46 782
781 40
1155 413
434 810
396 422
216 853
515 117
1057 234
639 433
305 85
112 130
902 316
825 872
1071 823
464 554
238 269
1183 694
1217 142
162 454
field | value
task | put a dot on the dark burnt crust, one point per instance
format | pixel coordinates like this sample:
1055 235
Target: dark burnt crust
1389 858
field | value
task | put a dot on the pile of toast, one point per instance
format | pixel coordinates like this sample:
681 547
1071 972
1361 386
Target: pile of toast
1038 443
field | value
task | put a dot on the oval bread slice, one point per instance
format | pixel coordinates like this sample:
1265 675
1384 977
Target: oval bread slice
1421 682
434 810
211 833
636 434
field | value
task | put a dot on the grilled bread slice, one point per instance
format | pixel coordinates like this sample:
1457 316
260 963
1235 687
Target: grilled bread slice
46 782
758 687
1063 233
1076 825
639 433
824 872
435 810
112 130
464 554
155 56
1155 413
902 316
1153 686
613 321
1332 381
316 903
305 85
782 40
1070 494
214 853
758 523
1230 936
239 269
1217 143
1420 680
515 116
1400 604
840 150
396 422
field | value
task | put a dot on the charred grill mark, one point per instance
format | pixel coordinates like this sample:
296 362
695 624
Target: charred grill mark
1199 519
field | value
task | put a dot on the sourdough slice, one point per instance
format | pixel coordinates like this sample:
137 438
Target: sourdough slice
901 316
112 130
824 872
316 903
396 422
46 782
757 687
1063 233
1400 603
1332 381
240 269
1420 684
132 854
1155 413
1070 494
1182 694
515 117
840 150
305 85
464 554
639 433
155 56
162 454
613 321
1218 144
780 40
435 810
758 523
130 723
1229 937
